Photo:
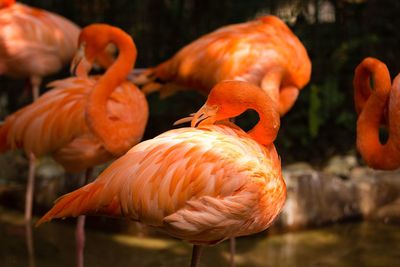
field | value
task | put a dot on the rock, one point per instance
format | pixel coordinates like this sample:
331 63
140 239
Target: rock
48 169
316 198
297 167
389 213
341 165
374 189
50 182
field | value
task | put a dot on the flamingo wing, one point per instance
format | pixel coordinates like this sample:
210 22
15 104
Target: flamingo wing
53 120
187 182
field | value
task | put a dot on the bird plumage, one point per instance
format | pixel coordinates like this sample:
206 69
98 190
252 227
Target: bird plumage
34 42
56 123
202 184
264 52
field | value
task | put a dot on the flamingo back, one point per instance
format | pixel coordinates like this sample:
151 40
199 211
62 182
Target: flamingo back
199 184
243 51
34 41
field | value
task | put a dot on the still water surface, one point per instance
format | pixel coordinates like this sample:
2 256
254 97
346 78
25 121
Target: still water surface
342 245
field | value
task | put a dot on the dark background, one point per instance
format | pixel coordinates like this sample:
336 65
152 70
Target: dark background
337 35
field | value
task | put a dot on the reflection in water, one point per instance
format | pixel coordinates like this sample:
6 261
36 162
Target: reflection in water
80 240
29 243
342 245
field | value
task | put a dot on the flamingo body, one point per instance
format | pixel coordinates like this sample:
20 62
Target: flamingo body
34 42
202 184
56 123
264 52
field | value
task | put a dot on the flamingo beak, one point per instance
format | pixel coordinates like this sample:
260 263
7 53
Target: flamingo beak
205 115
80 66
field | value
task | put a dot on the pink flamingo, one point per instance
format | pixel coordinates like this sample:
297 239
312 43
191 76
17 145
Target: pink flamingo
202 184
34 43
263 51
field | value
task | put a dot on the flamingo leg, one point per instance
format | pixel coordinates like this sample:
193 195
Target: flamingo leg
196 253
232 248
28 209
80 227
35 82
29 188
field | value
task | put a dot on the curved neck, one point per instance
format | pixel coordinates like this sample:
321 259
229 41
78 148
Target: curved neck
250 96
266 130
111 132
375 154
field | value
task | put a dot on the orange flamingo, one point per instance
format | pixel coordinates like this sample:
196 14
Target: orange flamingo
83 121
263 51
376 106
34 43
204 184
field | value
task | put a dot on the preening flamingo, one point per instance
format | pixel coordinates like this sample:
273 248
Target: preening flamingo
202 184
34 43
83 121
374 107
264 52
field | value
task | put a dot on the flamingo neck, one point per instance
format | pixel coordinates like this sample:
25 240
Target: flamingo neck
266 130
376 155
112 132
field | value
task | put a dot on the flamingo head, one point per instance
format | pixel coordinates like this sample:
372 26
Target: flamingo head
226 100
92 45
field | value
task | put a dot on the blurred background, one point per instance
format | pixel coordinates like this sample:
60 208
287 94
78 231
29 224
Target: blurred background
327 181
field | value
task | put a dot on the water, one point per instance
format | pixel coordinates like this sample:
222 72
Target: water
364 244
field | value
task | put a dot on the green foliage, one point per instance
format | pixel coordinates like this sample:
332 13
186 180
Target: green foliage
313 113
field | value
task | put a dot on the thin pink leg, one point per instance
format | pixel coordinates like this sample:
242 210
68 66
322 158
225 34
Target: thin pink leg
196 253
29 188
232 248
35 82
80 228
28 209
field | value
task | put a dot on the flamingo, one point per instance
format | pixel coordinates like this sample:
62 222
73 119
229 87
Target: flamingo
374 107
84 121
34 43
202 184
263 51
